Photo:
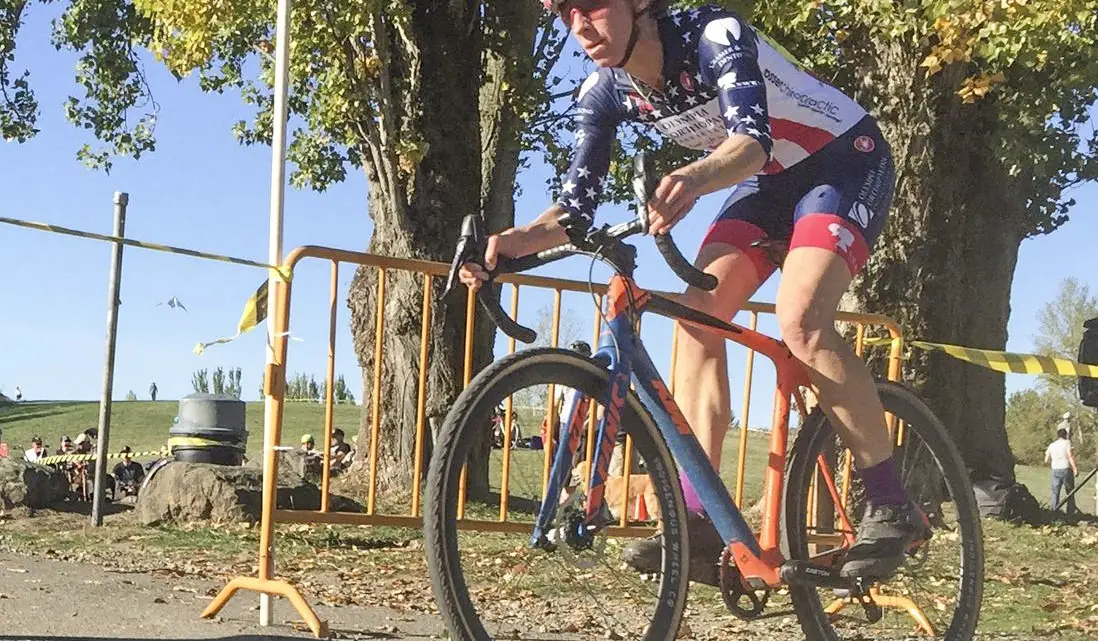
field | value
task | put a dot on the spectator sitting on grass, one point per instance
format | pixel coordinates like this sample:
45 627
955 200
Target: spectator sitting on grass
37 450
66 445
308 445
128 473
83 443
341 451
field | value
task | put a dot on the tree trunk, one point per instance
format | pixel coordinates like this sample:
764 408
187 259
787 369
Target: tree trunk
447 184
508 69
944 266
508 73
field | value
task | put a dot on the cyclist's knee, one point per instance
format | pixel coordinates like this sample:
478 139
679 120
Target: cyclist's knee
806 329
736 276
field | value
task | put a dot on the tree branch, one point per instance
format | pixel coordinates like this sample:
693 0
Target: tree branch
385 100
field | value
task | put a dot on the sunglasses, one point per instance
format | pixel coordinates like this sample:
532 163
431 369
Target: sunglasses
584 7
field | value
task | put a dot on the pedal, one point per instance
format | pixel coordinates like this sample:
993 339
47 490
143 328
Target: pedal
803 572
873 612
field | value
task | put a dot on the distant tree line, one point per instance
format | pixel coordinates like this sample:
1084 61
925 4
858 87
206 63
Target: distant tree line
224 383
299 387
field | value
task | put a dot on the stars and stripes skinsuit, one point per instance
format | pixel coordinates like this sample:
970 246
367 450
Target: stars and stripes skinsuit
829 178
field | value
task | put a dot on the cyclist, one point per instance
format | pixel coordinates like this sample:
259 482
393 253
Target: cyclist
808 166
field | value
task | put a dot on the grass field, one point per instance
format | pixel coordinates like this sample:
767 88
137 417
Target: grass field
144 426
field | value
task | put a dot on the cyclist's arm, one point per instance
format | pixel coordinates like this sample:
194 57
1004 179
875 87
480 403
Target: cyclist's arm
597 116
732 162
544 232
728 59
1071 459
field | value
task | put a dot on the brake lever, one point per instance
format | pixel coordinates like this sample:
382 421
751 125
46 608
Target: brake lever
471 239
470 249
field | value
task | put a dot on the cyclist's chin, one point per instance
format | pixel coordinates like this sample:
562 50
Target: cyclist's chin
602 55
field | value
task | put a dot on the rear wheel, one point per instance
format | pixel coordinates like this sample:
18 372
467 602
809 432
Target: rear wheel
493 584
943 578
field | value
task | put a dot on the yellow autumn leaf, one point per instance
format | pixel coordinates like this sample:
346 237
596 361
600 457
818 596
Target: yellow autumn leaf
932 64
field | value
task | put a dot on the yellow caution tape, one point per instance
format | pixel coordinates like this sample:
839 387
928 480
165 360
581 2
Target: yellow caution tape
68 458
1006 362
193 441
255 312
283 271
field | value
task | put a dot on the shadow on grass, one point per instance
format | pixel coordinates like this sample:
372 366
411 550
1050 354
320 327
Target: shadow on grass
84 508
14 416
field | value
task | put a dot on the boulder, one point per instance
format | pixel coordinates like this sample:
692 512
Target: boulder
24 484
294 461
186 492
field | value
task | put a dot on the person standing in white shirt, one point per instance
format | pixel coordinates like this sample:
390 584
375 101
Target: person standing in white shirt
1064 470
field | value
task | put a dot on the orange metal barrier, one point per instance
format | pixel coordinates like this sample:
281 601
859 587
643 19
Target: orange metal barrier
274 387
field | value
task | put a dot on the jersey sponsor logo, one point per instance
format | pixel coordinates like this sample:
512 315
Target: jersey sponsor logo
731 53
698 128
588 85
864 144
878 184
724 31
803 100
742 84
860 213
844 239
731 80
687 81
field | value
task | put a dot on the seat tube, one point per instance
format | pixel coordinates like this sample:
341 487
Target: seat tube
775 470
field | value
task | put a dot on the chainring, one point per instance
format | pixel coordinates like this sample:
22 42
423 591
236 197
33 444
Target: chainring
734 593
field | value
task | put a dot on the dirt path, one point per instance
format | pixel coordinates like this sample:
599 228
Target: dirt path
44 598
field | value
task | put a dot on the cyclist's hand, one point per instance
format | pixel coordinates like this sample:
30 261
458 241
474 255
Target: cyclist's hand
674 197
505 244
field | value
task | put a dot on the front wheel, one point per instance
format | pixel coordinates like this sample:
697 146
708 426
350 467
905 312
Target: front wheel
487 579
942 579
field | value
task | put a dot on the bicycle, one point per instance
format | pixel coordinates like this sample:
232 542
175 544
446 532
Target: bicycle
806 524
499 432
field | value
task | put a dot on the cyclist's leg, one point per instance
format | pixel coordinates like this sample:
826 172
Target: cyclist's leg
752 212
701 375
813 281
834 226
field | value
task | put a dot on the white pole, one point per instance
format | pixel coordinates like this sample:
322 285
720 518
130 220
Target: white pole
274 255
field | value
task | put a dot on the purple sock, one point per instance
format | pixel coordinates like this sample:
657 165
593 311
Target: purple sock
882 484
693 503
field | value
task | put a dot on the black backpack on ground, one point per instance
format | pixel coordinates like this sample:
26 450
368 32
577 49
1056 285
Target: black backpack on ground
1088 353
1007 501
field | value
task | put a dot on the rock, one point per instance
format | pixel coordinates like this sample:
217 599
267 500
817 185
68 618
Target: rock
24 484
184 492
294 461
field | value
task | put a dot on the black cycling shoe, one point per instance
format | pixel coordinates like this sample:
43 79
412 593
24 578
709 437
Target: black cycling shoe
884 536
705 551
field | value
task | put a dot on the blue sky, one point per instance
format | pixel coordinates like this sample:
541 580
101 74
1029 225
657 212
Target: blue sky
203 191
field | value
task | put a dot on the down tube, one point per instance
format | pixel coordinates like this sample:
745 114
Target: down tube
689 455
